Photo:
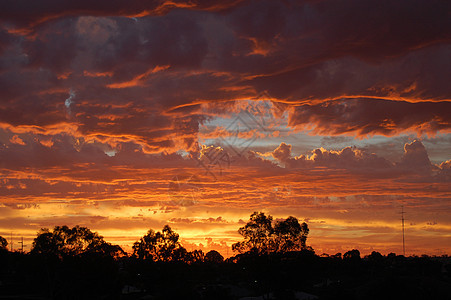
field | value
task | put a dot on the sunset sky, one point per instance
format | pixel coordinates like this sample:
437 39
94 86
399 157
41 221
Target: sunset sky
128 115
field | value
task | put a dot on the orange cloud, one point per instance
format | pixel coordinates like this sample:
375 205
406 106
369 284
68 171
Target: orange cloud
17 140
138 80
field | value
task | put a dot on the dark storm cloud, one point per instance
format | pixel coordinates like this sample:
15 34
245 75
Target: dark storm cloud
131 76
26 12
362 117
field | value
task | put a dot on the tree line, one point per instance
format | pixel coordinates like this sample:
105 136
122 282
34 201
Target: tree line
272 261
261 235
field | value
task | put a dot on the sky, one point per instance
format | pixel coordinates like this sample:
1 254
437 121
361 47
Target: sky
128 115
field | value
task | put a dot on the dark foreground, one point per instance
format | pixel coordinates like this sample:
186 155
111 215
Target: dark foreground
295 275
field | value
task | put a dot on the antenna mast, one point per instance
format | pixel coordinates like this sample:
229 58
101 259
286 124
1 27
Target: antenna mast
21 248
403 241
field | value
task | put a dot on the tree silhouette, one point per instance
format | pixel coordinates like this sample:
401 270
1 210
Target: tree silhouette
261 237
289 235
352 255
256 233
375 257
3 243
65 241
214 257
160 246
194 256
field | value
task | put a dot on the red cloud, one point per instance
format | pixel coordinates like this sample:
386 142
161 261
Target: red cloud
216 55
363 117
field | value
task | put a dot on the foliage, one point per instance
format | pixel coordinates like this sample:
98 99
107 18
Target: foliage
352 255
194 256
290 235
64 241
257 234
160 246
3 243
278 274
213 256
83 274
375 257
260 236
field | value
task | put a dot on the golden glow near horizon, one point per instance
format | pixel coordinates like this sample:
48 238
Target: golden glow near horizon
342 211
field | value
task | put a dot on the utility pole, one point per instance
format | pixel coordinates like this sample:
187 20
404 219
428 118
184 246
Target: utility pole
12 248
21 247
403 240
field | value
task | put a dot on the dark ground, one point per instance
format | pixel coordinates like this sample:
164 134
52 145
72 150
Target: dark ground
294 275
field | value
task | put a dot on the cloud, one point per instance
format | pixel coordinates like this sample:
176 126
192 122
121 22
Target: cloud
366 117
17 140
53 9
415 156
347 158
445 165
282 153
336 189
21 206
415 160
69 101
198 220
300 53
